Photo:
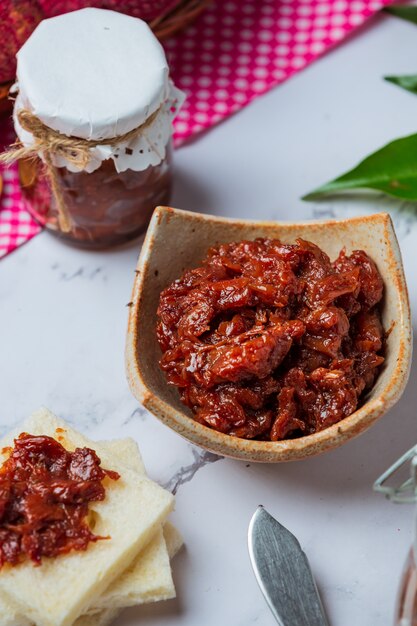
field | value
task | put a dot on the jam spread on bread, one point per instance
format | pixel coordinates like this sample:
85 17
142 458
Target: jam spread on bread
45 492
271 340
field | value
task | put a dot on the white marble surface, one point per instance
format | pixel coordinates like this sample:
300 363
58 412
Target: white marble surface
62 325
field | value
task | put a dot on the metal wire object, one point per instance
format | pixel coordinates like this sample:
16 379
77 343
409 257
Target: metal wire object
406 491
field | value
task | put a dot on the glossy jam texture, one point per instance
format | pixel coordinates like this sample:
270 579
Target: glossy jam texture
270 340
45 492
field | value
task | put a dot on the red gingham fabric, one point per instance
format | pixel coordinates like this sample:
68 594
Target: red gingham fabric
240 49
235 51
16 225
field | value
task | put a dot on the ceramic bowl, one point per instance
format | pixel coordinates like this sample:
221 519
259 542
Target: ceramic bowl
177 240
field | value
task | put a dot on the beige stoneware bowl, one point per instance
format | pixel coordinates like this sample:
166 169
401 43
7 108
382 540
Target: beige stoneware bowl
177 240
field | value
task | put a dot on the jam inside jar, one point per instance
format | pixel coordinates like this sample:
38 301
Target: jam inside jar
105 208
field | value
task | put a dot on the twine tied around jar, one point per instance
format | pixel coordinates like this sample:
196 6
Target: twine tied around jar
49 142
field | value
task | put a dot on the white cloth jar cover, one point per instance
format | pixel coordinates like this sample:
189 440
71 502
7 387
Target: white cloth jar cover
97 74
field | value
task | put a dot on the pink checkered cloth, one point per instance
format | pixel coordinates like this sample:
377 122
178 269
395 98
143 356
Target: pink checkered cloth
236 51
16 224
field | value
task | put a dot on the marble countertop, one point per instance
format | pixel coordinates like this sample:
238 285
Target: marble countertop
62 330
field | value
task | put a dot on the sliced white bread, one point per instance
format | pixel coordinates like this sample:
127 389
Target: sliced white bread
9 614
127 451
149 577
62 589
173 539
151 573
102 618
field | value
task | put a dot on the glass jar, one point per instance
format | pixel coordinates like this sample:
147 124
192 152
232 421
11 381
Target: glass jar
406 609
406 492
95 153
105 207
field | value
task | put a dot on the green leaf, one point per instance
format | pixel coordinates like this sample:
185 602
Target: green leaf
392 169
406 82
408 13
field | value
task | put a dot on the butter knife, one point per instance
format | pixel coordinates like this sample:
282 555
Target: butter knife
283 573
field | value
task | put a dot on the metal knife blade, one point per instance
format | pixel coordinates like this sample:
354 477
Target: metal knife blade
283 573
